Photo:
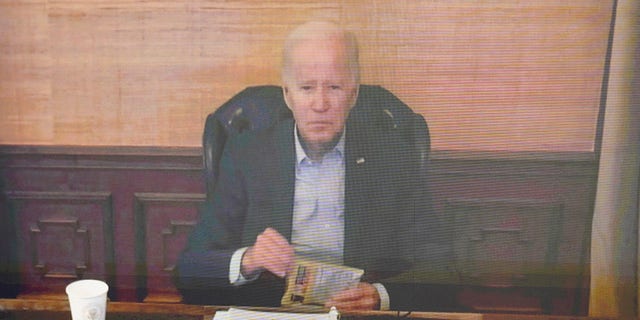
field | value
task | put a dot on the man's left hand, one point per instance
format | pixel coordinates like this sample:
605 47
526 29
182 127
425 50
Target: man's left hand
364 296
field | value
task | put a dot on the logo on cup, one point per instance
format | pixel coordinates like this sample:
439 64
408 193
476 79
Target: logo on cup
92 312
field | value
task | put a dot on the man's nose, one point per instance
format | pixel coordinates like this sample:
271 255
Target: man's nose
321 101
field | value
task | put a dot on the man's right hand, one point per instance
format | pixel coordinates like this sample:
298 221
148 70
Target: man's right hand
271 252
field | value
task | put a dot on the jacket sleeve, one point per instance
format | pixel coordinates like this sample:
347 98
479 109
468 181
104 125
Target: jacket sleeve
204 264
226 224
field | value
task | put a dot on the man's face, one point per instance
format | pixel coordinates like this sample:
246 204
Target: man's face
320 90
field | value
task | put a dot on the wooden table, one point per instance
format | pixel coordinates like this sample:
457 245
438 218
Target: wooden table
59 309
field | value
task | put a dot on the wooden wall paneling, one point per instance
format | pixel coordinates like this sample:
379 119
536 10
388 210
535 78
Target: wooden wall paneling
163 222
506 244
64 236
153 194
543 179
121 171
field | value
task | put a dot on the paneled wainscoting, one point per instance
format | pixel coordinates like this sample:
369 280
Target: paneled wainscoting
519 222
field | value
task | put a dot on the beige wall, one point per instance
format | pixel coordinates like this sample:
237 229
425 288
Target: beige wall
487 75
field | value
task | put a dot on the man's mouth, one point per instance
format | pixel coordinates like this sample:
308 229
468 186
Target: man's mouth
317 124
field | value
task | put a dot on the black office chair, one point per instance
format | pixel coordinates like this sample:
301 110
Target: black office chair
259 107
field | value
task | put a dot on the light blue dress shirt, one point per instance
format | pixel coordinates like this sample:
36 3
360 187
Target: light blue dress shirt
318 205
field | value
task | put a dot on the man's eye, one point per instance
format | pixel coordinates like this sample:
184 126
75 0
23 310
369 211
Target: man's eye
334 87
306 88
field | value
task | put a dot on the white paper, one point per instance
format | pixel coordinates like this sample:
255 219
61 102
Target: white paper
235 313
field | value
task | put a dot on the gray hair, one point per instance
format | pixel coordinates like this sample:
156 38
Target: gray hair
321 30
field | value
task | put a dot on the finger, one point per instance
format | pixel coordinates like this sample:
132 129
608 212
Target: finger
276 262
362 297
272 259
365 303
275 237
275 252
277 247
350 294
274 241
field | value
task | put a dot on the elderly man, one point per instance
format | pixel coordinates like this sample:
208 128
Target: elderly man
329 183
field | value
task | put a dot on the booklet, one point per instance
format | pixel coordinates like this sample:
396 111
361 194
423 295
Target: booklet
312 282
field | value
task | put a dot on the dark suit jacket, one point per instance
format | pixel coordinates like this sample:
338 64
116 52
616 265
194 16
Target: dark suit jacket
386 211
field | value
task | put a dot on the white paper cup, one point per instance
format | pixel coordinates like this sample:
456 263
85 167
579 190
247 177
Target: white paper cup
88 299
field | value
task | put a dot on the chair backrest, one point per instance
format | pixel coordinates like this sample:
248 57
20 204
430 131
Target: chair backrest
259 107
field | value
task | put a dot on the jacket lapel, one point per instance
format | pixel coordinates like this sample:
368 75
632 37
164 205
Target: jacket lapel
358 159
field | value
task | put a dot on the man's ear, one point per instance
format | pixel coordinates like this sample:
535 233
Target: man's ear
285 93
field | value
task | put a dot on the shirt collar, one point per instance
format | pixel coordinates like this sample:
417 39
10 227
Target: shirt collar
301 154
